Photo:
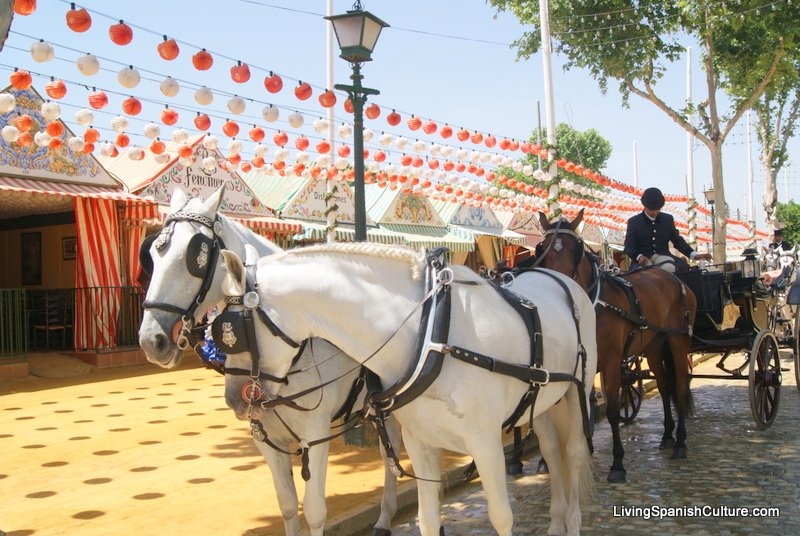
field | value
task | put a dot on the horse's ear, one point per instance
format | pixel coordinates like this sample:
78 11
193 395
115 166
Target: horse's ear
250 255
178 200
214 201
543 221
577 221
234 282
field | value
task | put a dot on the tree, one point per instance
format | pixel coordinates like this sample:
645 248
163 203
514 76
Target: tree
633 43
587 148
789 215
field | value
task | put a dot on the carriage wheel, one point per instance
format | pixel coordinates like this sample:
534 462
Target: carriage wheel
631 389
765 379
796 345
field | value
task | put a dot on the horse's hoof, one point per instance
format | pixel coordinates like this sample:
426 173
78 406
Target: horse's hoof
542 468
380 532
679 453
667 443
617 476
514 468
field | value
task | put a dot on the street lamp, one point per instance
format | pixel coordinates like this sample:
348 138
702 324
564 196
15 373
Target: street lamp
357 32
710 199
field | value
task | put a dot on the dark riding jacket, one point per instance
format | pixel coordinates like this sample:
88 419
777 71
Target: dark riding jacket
646 237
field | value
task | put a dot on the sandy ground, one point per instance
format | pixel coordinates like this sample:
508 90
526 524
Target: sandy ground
138 450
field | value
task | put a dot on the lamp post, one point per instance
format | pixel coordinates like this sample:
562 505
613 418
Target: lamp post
709 195
357 32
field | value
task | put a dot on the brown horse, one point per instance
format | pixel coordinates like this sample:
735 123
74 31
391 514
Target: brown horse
647 311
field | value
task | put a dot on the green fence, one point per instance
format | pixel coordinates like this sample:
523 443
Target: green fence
13 322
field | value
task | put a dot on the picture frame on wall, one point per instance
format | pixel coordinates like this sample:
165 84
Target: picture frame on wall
69 248
31 258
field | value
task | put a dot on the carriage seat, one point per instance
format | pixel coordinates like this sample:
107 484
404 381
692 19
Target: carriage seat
710 290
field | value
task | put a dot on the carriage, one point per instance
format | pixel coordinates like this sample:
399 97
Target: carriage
744 321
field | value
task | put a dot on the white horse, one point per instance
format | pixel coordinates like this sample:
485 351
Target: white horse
366 299
175 286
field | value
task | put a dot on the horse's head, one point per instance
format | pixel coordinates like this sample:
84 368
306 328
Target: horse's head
561 248
254 370
182 260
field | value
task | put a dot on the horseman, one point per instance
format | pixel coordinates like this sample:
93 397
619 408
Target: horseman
649 234
778 241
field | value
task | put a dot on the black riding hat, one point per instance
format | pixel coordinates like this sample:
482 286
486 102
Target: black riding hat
653 199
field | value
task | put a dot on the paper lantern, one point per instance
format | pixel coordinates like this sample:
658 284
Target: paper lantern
24 7
256 134
230 128
368 135
7 102
168 49
50 111
135 153
107 149
42 51
88 65
234 147
10 133
303 90
119 123
42 138
84 117
131 106
185 151
157 147
122 140
429 127
55 89
129 77
169 87
179 135
234 158
202 60
393 118
161 158
202 122
273 83
169 116
240 73
321 125
348 106
323 147
98 99
476 137
23 122
380 156
120 33
296 120
257 162
260 149
372 111
21 79
209 163
210 143
25 139
462 134
91 135
327 99
446 131
152 130
75 143
270 113
302 143
236 105
280 138
204 96
345 130
78 20
414 123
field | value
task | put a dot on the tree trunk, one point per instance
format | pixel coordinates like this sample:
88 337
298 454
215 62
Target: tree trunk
720 223
770 199
6 14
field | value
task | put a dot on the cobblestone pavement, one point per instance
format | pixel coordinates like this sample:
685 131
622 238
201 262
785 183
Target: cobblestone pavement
731 464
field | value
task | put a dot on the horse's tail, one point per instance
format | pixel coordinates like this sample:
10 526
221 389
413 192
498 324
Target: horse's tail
670 374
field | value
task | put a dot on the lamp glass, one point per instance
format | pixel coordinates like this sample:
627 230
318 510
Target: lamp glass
709 194
357 33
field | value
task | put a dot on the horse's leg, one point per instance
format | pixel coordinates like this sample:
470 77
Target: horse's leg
514 466
679 349
314 508
389 499
612 377
280 465
425 461
574 452
487 451
656 363
549 445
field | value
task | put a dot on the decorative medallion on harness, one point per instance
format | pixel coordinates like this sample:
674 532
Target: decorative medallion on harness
202 257
228 332
228 336
558 245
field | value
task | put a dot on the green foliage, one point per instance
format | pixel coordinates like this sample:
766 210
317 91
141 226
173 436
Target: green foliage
789 215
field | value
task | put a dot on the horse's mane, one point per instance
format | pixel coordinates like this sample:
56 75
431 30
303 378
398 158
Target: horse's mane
415 259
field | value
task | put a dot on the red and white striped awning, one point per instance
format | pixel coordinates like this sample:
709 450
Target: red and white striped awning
259 224
21 197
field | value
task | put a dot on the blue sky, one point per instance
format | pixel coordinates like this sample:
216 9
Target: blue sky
472 81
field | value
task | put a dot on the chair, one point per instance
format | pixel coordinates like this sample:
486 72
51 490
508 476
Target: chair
53 316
